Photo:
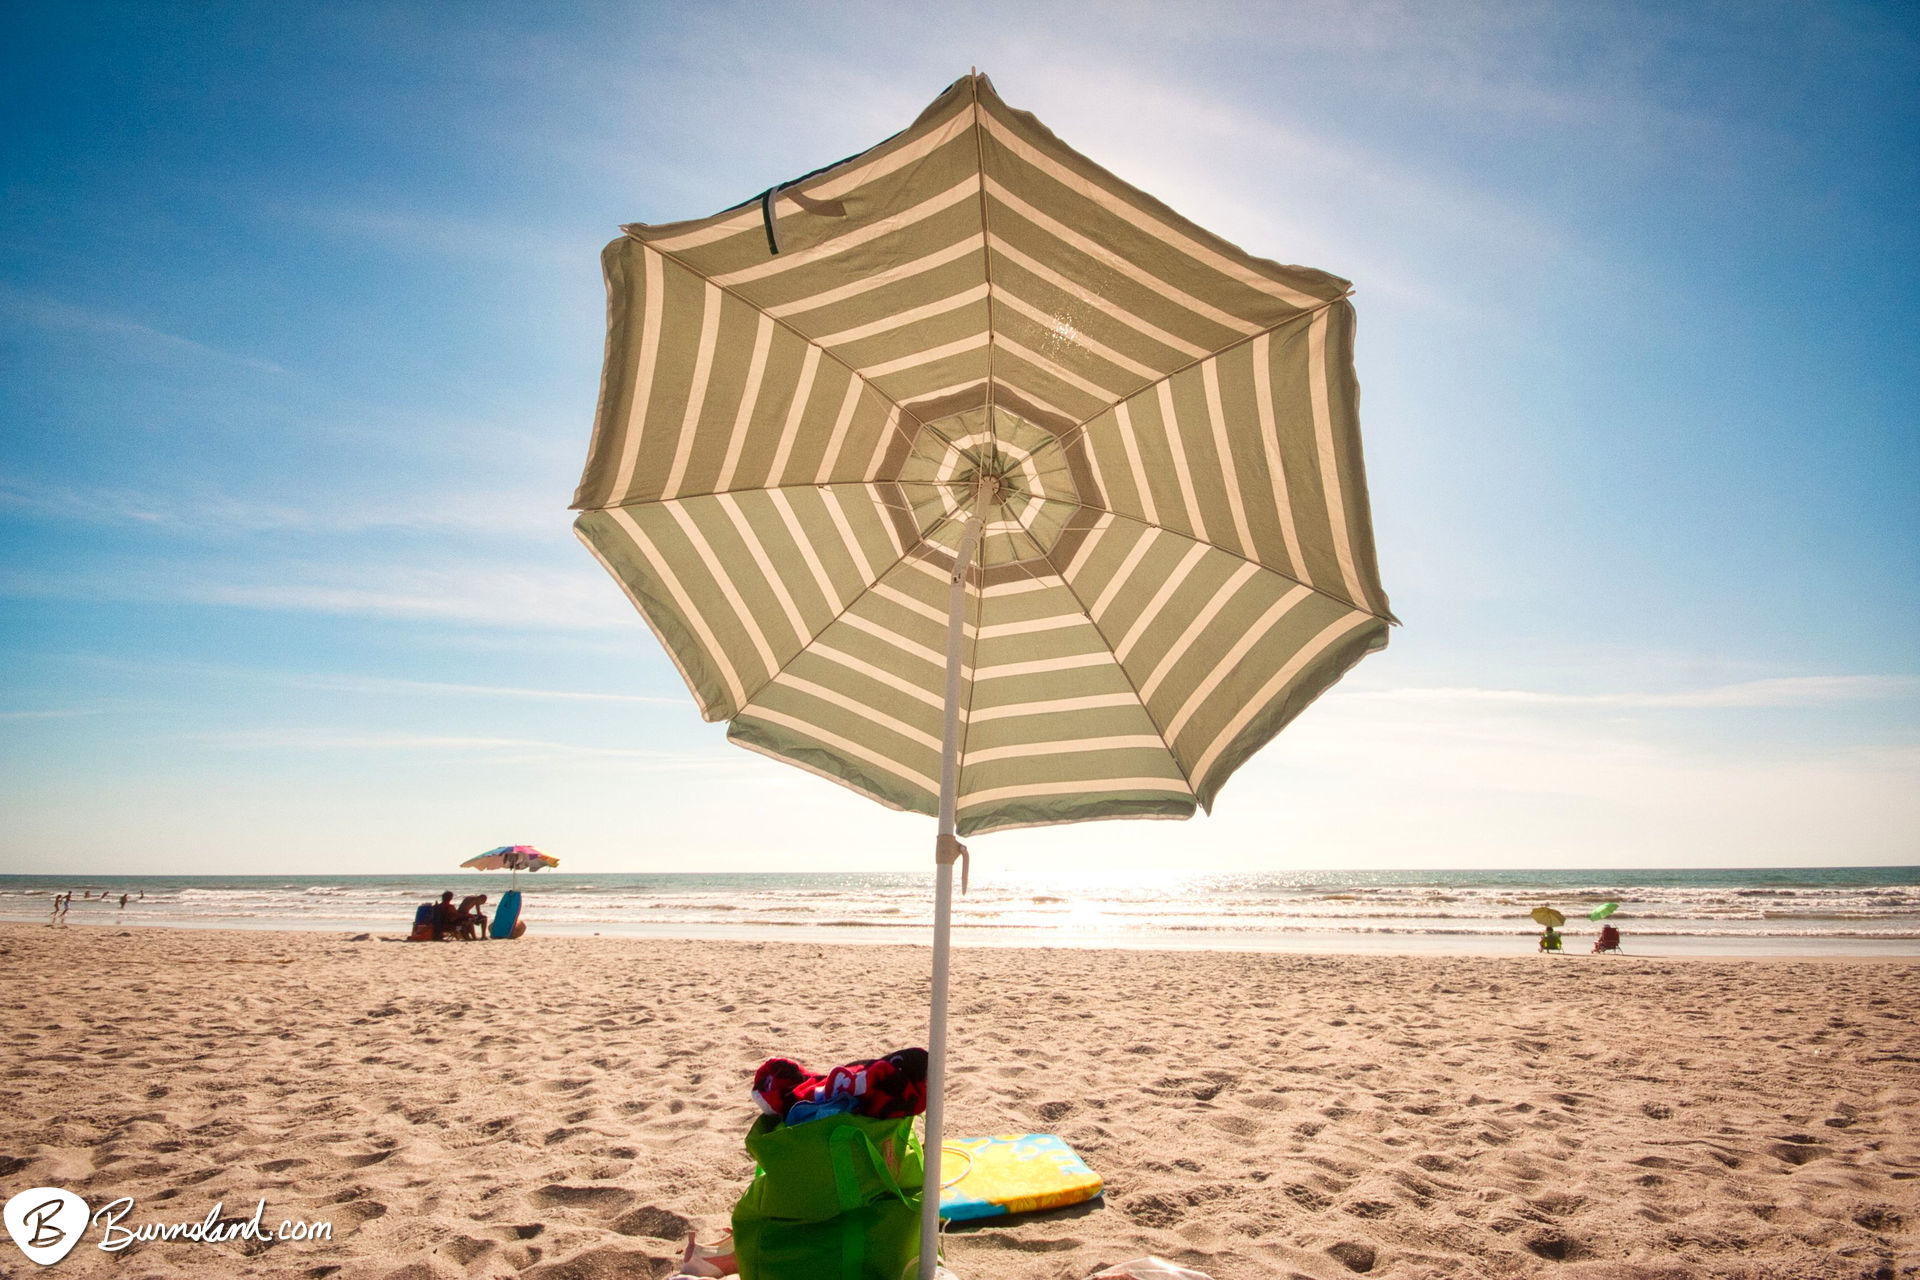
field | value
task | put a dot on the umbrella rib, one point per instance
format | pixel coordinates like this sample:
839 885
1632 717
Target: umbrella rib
1258 564
904 509
795 487
1261 565
759 310
986 243
747 697
1068 436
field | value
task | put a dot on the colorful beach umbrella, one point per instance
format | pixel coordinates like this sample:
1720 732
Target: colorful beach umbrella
512 857
968 476
1602 911
1548 916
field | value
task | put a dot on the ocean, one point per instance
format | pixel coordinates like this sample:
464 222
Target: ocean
1804 911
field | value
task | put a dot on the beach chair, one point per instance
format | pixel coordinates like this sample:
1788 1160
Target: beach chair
422 924
1609 940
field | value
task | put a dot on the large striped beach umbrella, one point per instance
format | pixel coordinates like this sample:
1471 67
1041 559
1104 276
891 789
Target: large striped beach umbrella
966 475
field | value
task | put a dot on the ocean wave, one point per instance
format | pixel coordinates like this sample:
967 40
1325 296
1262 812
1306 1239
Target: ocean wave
1880 905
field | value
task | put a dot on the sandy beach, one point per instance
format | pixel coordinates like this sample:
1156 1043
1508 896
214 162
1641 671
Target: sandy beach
559 1108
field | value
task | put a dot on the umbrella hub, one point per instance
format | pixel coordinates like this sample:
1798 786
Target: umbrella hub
992 480
1015 466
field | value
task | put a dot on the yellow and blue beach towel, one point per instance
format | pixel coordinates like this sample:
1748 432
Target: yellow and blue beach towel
1012 1173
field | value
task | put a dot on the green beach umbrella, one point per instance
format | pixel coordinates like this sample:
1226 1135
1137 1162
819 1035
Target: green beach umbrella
1602 911
1548 917
967 476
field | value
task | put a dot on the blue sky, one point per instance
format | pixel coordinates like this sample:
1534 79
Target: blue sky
301 323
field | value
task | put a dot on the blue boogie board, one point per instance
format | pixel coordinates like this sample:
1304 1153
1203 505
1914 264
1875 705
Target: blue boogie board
506 915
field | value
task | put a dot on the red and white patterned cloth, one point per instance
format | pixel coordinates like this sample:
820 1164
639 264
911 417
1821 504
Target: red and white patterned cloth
882 1088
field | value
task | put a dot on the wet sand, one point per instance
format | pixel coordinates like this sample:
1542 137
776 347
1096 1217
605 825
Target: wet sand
559 1108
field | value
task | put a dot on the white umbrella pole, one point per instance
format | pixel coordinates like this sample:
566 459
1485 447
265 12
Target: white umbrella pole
946 851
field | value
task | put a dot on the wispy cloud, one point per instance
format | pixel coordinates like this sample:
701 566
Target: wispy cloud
370 684
411 232
205 510
1786 691
54 315
486 595
1395 778
297 738
516 598
1181 137
206 674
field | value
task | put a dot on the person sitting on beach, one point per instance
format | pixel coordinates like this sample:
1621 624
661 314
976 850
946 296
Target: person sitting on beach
1609 939
445 917
1550 940
470 919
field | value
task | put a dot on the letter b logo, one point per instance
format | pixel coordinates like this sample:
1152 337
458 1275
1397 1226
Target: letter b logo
46 1223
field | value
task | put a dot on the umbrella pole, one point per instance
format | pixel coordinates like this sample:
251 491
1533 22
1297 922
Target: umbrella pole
946 852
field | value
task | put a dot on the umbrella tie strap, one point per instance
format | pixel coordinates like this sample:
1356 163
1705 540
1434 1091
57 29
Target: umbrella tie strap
948 851
771 216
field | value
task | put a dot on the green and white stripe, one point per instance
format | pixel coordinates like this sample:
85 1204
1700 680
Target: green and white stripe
1181 556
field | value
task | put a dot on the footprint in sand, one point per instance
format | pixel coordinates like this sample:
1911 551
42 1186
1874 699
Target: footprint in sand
1353 1255
353 1214
464 1249
603 1264
653 1222
520 1231
603 1200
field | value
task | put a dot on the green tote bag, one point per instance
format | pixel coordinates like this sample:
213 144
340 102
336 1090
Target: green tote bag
836 1198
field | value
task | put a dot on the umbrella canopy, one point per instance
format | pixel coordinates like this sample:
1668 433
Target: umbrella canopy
1176 554
1602 911
512 857
1548 917
968 476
